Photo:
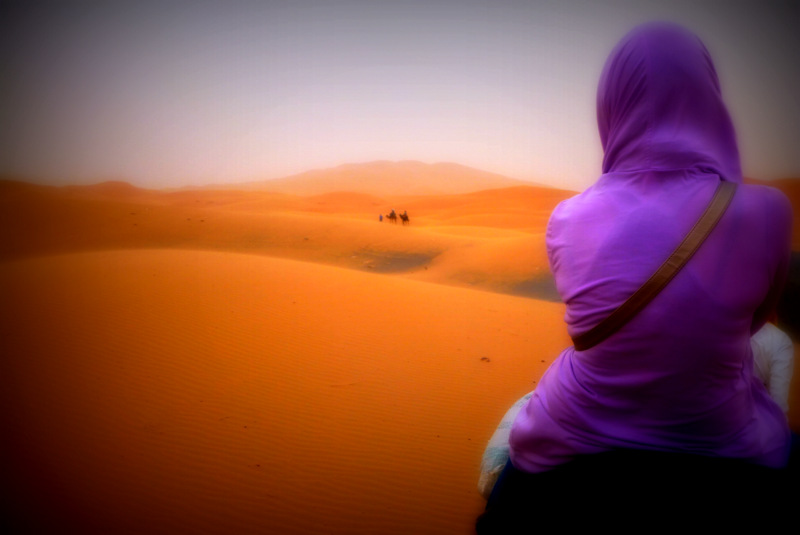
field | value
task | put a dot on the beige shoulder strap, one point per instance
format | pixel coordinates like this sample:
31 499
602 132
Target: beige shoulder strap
696 236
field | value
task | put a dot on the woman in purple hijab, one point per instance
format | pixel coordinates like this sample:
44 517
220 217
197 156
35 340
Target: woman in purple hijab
678 378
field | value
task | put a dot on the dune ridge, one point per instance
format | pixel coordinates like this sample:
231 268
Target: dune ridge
452 239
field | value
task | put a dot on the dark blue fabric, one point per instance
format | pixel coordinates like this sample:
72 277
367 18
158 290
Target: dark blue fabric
619 488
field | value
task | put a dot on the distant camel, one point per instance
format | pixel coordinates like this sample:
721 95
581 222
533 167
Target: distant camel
392 217
404 217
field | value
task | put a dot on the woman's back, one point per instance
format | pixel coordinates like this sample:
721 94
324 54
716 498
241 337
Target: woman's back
679 376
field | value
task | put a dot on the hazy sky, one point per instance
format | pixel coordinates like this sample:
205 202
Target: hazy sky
173 93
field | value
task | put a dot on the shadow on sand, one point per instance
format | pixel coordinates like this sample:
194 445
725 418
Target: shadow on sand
391 262
543 288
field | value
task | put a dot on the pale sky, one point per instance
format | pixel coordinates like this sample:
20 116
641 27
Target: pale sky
176 93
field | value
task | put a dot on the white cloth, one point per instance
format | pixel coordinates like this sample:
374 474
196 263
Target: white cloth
495 456
773 357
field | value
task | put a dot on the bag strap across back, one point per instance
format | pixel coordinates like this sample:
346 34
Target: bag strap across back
671 266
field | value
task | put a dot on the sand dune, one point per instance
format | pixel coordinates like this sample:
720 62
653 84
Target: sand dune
215 392
453 239
200 361
221 361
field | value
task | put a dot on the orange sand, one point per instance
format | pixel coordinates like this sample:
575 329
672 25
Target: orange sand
256 362
234 362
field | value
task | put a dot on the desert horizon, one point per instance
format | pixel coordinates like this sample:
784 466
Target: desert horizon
222 360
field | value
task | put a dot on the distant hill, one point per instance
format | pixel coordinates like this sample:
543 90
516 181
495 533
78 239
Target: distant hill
383 178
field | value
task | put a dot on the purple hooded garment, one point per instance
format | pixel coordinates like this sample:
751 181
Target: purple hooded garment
679 376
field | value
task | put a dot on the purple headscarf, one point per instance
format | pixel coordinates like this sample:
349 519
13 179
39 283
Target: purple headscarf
659 106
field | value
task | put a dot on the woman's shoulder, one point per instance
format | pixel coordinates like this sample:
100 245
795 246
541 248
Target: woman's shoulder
586 200
608 203
767 201
767 213
765 192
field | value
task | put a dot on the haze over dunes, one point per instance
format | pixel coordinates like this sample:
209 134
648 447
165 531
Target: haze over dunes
228 361
388 178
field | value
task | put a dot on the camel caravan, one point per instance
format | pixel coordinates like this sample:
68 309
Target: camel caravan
392 217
